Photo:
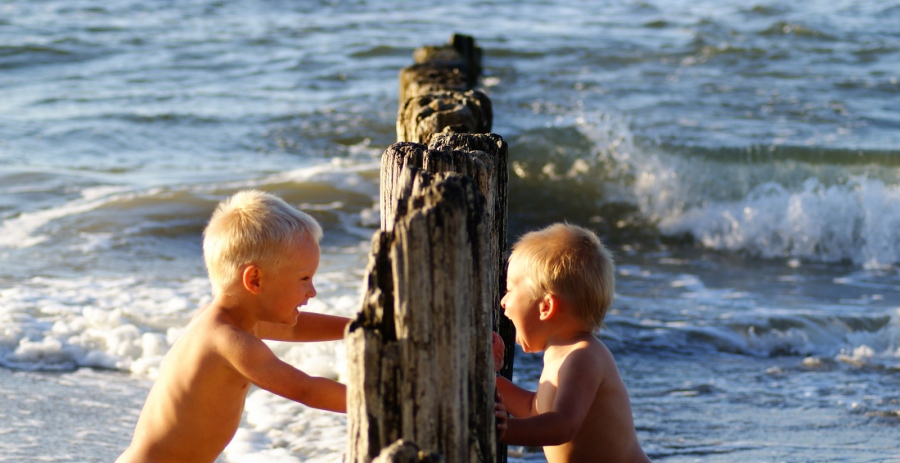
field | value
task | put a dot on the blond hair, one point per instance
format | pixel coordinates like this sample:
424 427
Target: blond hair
251 227
569 261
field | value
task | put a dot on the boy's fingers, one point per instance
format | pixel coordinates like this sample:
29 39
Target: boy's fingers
501 418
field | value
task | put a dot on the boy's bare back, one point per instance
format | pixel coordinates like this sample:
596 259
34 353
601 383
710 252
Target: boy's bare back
607 430
195 406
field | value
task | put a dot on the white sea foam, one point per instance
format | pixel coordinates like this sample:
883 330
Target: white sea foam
855 221
124 324
819 213
279 430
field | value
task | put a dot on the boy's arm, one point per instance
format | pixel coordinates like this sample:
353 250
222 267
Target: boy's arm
256 362
579 379
518 401
310 327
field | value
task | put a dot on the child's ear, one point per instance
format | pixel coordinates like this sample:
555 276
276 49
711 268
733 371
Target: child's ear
251 279
549 306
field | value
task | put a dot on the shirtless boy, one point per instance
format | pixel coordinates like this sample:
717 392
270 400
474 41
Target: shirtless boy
261 255
559 287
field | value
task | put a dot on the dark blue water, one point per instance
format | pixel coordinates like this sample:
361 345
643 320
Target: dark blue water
742 160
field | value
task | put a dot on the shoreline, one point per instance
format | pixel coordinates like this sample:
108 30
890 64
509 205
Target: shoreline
77 416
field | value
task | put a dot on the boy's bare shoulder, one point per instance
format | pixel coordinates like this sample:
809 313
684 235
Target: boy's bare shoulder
588 349
586 357
210 340
214 325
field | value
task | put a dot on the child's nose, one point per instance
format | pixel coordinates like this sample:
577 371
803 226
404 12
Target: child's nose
312 291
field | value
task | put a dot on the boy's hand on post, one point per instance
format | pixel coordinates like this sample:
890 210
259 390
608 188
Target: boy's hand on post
498 349
501 415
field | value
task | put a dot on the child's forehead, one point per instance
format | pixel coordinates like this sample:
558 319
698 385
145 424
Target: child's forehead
517 267
305 250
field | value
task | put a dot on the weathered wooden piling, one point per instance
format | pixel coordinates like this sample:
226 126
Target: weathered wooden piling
421 373
424 115
438 92
414 371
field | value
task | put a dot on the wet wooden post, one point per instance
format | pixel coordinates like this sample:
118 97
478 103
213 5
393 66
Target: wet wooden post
421 375
414 350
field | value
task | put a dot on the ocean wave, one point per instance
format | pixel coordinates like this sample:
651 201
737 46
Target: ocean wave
868 339
51 51
783 28
336 193
854 222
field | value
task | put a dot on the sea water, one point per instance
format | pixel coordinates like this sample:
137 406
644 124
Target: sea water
741 159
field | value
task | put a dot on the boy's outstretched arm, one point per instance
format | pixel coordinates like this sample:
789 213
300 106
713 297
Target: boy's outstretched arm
579 378
253 359
310 327
519 402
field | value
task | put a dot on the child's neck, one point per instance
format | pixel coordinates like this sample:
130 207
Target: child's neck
236 310
567 337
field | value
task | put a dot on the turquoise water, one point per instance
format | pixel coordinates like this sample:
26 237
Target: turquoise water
741 160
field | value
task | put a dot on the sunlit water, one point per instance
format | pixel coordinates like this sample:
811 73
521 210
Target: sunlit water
741 160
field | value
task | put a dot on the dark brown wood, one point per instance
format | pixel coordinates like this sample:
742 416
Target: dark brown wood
437 93
423 78
424 115
454 66
419 352
495 186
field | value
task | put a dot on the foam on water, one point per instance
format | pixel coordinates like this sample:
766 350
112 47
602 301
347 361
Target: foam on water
704 313
123 324
283 431
851 222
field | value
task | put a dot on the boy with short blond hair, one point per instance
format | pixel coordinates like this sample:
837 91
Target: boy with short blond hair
560 284
261 255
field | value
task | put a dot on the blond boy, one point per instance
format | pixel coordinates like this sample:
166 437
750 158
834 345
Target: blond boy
261 255
560 284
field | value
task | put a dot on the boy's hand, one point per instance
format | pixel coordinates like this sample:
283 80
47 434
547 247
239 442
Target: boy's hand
498 350
501 415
